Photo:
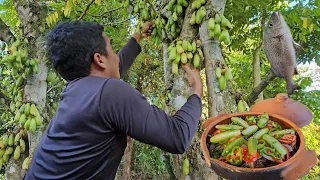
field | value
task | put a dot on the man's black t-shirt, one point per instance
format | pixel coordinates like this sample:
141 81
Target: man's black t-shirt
87 136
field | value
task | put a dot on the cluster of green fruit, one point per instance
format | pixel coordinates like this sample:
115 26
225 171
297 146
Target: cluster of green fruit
28 117
182 51
176 7
157 30
199 13
242 106
223 75
219 27
11 143
18 60
144 10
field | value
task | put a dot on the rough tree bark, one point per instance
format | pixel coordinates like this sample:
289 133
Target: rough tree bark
5 33
31 15
218 101
5 36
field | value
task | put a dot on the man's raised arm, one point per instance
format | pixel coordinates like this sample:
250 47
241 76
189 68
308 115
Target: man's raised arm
132 49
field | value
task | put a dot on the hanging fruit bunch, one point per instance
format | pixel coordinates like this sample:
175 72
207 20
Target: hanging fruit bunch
20 64
145 12
156 34
219 27
184 51
176 7
21 67
12 144
28 117
199 12
223 74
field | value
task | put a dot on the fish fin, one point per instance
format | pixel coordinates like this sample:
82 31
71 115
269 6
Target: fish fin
292 87
297 47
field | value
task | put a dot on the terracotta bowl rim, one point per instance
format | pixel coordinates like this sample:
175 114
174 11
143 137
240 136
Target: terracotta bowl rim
279 166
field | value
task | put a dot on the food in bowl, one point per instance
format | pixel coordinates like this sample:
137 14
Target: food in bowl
252 142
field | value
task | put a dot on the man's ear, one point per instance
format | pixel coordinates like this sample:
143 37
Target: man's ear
99 60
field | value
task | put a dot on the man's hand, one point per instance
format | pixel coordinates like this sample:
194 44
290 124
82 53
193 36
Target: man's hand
194 80
145 31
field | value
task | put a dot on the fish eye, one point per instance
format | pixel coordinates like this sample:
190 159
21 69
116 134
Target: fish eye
270 24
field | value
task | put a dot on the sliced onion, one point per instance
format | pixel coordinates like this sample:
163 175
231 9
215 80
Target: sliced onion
288 147
267 157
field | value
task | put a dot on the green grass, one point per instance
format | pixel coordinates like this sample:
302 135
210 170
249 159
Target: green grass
312 138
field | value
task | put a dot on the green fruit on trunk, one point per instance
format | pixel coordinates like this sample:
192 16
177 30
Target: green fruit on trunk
178 58
222 83
211 24
196 4
173 53
27 124
189 55
186 167
218 72
17 152
179 9
217 30
9 151
193 18
228 74
11 140
225 22
179 49
174 68
241 107
196 60
194 47
224 36
22 145
184 59
185 45
5 139
217 18
175 16
33 125
26 163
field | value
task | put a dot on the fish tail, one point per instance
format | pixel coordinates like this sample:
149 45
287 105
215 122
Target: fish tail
292 87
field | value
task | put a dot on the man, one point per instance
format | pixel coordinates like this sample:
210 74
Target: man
87 136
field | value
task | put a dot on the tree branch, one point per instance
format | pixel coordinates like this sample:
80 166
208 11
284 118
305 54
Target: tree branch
257 90
86 9
119 22
5 33
108 11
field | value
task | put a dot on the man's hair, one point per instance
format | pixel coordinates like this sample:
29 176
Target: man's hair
71 46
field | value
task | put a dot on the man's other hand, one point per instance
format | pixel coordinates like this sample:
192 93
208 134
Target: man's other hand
194 79
146 29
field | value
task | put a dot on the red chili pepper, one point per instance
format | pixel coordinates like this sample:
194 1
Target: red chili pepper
288 139
251 158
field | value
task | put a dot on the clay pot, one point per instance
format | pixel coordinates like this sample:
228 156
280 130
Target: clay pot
297 166
285 107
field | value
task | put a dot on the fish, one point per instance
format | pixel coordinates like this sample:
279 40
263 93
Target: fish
280 50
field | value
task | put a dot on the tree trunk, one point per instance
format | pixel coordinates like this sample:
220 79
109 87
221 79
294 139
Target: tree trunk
218 101
127 159
5 34
256 71
31 15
